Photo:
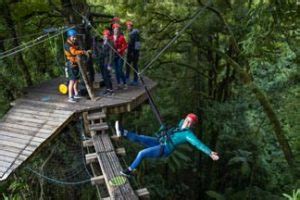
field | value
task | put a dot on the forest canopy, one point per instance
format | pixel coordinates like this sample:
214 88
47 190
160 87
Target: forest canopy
236 66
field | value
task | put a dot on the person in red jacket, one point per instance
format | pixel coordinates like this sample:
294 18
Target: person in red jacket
120 46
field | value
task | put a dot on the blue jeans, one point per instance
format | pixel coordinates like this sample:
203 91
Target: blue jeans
119 70
153 148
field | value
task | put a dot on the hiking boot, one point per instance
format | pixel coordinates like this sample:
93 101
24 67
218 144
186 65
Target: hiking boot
77 96
106 92
119 87
72 100
134 83
126 172
111 93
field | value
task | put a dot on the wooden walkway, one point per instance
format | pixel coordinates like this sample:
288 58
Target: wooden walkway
42 113
105 155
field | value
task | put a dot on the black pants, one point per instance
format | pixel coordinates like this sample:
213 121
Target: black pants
132 59
106 76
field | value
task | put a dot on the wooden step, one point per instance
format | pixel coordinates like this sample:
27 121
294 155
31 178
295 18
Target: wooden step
98 127
98 180
121 151
143 193
88 143
98 115
91 157
115 137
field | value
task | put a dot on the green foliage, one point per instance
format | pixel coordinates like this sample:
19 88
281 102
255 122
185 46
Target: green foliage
295 195
191 77
215 195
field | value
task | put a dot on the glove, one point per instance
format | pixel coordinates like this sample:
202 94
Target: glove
88 53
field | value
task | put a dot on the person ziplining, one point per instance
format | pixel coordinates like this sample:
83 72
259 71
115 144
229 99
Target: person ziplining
165 144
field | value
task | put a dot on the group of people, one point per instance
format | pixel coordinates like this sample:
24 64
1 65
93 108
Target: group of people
114 49
111 50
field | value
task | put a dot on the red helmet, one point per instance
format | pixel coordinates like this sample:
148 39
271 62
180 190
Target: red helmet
129 23
115 20
116 26
106 32
193 117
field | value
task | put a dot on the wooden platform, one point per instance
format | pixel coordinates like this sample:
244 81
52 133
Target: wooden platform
105 155
42 113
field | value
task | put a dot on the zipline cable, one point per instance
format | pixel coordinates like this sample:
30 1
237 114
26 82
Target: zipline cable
52 180
23 36
72 174
35 42
196 15
23 44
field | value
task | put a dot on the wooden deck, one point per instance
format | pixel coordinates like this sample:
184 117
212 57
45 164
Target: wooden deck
42 113
105 155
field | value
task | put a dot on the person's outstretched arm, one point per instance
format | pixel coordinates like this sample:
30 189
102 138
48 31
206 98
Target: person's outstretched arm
193 140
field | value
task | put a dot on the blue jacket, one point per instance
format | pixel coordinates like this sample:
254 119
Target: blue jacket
181 136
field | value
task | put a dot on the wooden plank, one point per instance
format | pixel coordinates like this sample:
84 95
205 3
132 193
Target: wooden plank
25 127
63 106
126 189
25 130
91 157
31 124
44 109
21 134
99 147
4 153
10 138
31 120
42 112
29 147
114 192
51 117
86 123
7 161
97 180
106 142
115 137
143 193
98 127
121 151
88 143
94 116
16 150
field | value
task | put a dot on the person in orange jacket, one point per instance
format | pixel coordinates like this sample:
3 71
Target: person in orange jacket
120 46
71 51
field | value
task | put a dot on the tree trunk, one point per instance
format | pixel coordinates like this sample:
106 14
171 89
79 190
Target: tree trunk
265 103
19 59
259 94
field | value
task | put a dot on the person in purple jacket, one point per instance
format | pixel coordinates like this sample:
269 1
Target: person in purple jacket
165 145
